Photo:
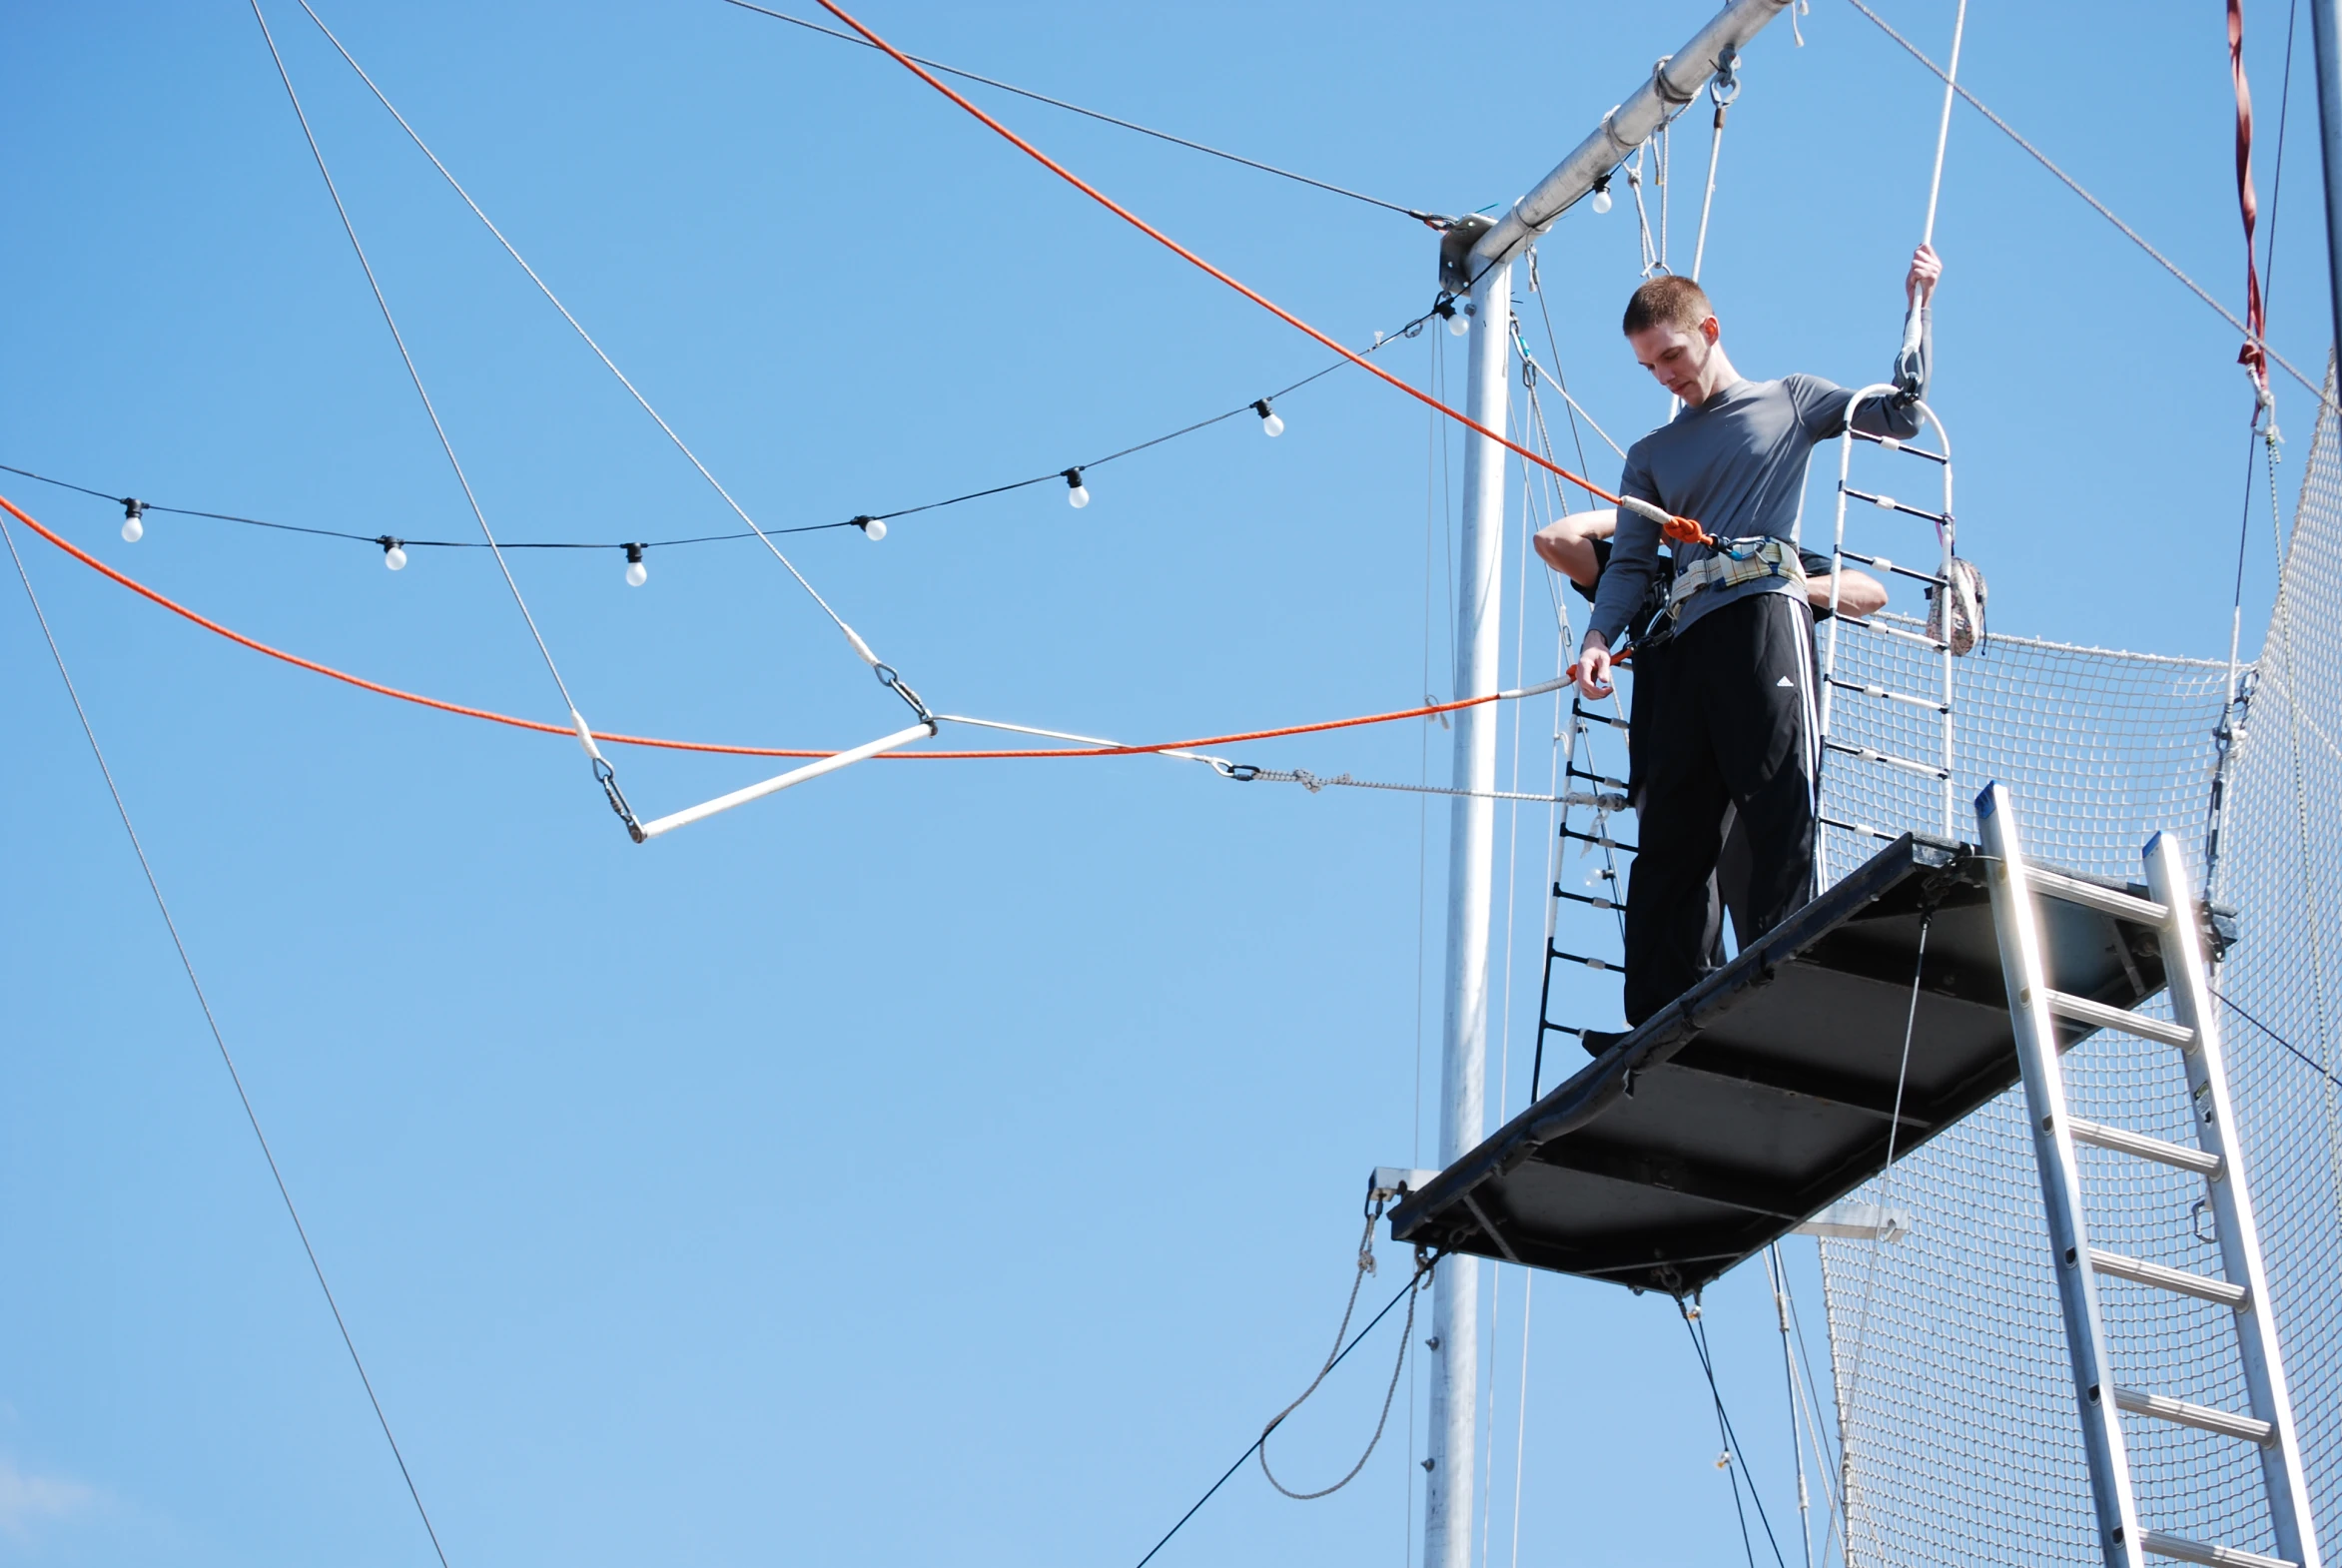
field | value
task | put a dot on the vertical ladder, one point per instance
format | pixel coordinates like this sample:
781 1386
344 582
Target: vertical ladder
1606 797
2171 912
1833 681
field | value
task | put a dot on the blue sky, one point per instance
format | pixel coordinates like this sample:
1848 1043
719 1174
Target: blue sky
947 1162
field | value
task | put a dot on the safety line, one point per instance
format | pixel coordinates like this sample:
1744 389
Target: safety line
1434 220
219 1039
853 639
2101 208
1675 527
1405 1292
407 360
542 728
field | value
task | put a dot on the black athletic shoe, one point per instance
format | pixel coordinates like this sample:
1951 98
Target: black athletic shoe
1599 1041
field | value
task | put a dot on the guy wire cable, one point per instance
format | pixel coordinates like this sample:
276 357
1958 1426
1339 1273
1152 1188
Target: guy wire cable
862 650
605 774
227 1059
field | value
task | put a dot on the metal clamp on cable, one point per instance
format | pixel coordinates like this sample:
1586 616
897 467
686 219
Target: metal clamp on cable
607 777
1242 772
896 685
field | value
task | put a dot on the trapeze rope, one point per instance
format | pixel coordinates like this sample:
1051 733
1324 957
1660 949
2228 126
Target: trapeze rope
1675 528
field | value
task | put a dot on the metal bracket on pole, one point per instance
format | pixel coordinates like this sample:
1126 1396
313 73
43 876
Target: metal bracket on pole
1455 251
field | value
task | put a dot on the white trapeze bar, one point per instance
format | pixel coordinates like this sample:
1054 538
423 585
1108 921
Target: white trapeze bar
772 786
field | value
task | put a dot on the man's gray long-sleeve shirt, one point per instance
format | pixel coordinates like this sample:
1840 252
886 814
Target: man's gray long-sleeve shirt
1736 465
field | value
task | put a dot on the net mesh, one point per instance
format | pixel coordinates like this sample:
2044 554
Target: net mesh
1954 1395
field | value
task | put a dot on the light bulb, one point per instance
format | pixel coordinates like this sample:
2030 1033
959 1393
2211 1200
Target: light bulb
636 573
1077 494
393 552
131 529
875 528
1270 425
1458 325
1601 202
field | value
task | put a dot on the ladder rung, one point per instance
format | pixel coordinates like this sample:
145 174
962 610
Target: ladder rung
1859 827
1586 898
1883 564
1592 838
2122 906
1924 769
2177 1280
1592 777
1580 958
1932 703
1892 504
1890 443
1578 712
2184 1550
2124 1142
2200 1416
2100 1016
1885 631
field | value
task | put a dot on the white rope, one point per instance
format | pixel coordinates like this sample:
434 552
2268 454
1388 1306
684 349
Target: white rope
853 639
416 376
1943 126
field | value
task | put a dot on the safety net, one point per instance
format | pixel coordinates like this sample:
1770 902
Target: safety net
1955 1395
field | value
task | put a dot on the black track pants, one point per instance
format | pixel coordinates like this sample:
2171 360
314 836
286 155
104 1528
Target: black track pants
1733 725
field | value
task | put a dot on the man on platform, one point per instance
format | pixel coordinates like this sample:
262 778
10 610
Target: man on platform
1736 725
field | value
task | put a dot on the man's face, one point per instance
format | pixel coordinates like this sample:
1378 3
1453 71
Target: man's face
1678 359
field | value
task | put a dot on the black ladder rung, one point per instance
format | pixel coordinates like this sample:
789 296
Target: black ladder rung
2179 1548
1579 711
1591 838
1602 964
1883 564
1932 703
1890 443
1888 759
1859 827
1560 1029
2203 1418
2122 1140
2176 1281
1576 772
1892 504
1584 898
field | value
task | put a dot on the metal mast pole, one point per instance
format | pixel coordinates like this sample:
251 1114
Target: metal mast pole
2326 32
1455 1300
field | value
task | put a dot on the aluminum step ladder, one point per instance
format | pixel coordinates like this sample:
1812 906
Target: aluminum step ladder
2170 911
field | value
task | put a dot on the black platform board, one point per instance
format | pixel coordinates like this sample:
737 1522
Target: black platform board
1765 1092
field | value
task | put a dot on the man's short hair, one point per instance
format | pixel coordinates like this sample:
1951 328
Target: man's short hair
1668 302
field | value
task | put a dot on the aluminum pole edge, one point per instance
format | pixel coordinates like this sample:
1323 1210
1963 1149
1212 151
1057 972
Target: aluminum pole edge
1448 1518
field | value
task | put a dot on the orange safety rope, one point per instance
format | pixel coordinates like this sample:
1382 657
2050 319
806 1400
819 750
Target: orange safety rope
494 717
1683 528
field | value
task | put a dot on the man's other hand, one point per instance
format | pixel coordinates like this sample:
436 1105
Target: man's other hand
1594 667
1926 268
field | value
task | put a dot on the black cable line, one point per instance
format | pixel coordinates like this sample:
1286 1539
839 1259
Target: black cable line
2308 1061
1410 329
1413 1281
220 1039
1435 219
1731 1438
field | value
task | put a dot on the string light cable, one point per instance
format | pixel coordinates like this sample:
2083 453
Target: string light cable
220 1039
1432 219
873 524
1684 530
